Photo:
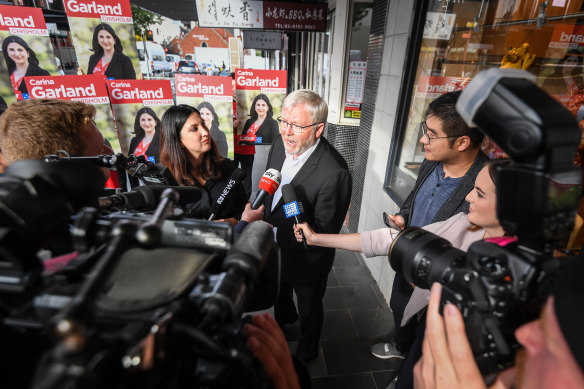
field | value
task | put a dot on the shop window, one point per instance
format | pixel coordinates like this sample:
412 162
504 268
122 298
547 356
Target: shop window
456 39
356 62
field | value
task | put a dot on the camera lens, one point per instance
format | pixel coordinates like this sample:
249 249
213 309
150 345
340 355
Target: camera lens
422 257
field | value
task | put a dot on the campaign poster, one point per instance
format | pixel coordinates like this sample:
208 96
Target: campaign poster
259 95
133 98
213 97
89 89
26 48
104 39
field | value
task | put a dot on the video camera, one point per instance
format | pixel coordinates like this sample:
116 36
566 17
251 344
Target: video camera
147 300
498 288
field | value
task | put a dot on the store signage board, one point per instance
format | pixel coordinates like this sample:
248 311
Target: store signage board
268 15
262 40
431 87
567 36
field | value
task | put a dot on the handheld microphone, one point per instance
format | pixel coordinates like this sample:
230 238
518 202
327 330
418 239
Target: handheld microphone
292 208
236 178
269 183
146 198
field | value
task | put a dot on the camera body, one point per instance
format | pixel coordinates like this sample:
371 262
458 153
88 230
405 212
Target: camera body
500 286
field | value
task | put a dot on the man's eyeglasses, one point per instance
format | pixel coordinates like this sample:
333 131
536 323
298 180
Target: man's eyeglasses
295 127
427 135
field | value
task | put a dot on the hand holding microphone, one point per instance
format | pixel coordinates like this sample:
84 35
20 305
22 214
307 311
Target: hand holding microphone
293 208
269 183
302 231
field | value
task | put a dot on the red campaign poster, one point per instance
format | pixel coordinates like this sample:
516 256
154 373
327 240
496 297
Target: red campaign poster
213 97
138 106
104 38
259 95
89 89
26 48
253 85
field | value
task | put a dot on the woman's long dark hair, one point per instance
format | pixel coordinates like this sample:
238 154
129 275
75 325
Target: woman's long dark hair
139 131
253 115
32 58
174 156
96 48
206 104
493 165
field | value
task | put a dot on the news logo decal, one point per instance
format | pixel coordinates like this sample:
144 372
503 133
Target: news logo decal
292 209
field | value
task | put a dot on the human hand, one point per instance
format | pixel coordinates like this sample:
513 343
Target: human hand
80 72
233 221
268 344
251 215
309 234
398 220
447 360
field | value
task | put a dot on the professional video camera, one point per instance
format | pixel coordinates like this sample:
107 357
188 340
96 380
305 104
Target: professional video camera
499 288
134 307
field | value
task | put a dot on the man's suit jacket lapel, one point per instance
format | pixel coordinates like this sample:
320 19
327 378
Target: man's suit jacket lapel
305 171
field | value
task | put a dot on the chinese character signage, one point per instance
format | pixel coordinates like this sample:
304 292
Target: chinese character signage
138 106
103 34
88 89
26 48
262 15
355 87
213 97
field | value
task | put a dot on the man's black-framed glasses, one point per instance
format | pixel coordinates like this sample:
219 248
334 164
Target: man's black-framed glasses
284 125
427 134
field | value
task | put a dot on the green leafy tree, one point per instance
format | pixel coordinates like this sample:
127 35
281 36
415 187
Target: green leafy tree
143 19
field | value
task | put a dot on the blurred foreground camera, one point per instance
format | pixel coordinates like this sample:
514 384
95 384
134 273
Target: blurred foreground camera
499 287
147 300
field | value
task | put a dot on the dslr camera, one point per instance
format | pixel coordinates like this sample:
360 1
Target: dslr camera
499 287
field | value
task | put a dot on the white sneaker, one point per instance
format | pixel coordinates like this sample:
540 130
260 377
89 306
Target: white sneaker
386 351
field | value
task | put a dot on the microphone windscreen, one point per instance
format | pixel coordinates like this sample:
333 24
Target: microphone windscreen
236 178
270 181
288 193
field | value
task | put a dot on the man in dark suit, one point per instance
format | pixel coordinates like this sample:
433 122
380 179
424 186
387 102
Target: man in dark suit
322 183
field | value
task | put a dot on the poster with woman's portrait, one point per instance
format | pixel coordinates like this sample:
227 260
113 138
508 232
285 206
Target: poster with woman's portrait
26 50
138 106
213 97
103 35
89 89
259 95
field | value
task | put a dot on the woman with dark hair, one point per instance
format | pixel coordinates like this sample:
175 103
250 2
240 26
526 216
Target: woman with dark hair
567 77
260 124
22 62
107 57
191 155
211 121
147 134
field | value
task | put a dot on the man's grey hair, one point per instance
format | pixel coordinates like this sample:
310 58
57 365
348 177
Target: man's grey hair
315 105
